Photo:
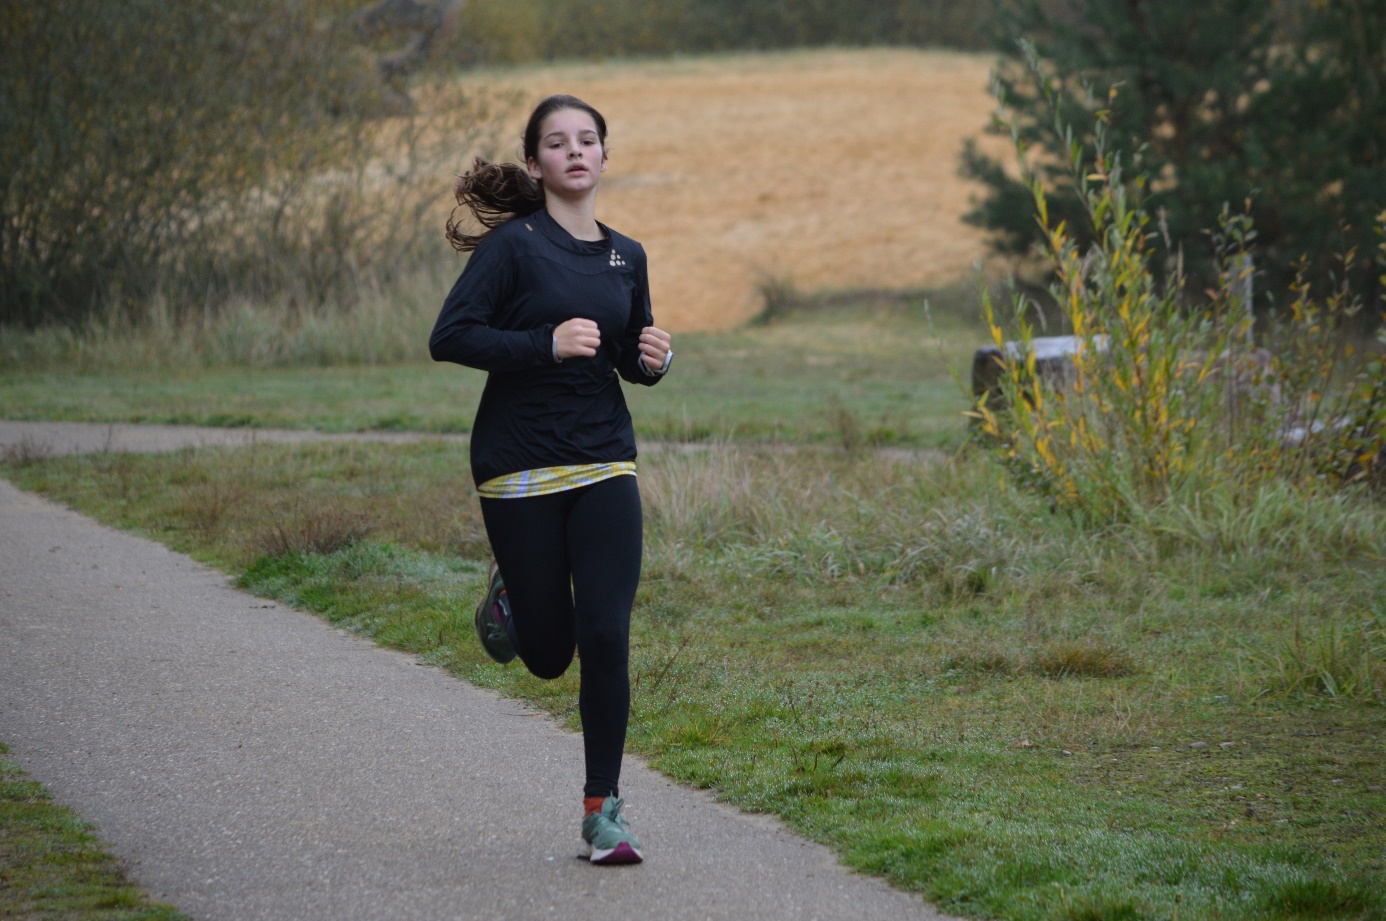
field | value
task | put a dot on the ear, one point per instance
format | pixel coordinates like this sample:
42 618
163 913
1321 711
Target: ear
533 166
603 167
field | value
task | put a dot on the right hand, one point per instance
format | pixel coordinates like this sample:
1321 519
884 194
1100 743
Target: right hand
576 338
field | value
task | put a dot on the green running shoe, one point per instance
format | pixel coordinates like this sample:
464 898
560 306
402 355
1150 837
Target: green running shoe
492 617
609 835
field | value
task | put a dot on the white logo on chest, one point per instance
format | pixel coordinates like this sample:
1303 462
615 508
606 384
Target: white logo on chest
615 259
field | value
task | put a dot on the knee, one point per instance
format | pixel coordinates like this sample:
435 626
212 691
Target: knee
547 666
606 645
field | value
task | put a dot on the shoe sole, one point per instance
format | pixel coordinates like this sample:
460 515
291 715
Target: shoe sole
621 853
502 658
483 619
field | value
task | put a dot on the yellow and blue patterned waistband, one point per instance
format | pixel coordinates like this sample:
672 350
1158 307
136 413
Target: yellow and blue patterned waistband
546 480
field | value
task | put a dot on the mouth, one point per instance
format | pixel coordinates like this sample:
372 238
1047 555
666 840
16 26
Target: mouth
576 169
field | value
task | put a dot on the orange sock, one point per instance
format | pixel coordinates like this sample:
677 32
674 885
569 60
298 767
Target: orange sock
592 805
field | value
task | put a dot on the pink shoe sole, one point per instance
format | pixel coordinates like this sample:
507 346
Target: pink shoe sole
621 853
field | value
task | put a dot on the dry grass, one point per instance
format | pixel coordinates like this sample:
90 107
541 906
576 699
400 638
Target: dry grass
818 169
1082 659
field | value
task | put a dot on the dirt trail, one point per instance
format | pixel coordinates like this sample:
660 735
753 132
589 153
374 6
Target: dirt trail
821 169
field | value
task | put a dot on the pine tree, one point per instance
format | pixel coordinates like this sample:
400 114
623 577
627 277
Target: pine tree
1279 107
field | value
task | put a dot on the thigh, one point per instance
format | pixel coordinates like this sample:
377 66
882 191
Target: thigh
605 532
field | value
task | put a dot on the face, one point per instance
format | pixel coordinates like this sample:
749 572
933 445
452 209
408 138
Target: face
571 159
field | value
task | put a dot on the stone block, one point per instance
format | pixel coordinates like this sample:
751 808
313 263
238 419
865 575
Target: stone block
1053 364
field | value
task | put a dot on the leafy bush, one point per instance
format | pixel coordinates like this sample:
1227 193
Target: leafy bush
196 150
1167 405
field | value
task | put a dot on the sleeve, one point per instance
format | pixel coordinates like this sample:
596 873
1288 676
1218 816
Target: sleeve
463 333
641 316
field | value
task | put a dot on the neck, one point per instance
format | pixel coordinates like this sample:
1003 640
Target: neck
578 217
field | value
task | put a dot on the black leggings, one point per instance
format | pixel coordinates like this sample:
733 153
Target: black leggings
571 564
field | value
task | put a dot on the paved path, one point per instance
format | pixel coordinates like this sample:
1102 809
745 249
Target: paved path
89 437
251 762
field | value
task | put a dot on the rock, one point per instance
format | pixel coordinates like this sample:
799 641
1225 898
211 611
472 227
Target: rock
1198 746
1226 744
1053 364
1243 374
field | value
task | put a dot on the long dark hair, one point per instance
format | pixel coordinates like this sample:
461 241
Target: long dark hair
497 192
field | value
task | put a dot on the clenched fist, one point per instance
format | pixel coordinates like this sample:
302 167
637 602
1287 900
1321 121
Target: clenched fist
654 347
576 338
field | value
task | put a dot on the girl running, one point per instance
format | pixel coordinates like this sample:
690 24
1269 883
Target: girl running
554 305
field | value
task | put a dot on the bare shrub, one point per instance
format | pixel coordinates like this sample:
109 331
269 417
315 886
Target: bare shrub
846 425
324 528
197 150
208 506
779 297
26 451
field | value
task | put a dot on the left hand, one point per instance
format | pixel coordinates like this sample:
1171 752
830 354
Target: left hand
654 347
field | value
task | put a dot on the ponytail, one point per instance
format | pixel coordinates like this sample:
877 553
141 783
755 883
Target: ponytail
497 192
494 193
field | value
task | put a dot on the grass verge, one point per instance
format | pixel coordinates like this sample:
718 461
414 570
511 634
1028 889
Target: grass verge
953 687
883 375
53 866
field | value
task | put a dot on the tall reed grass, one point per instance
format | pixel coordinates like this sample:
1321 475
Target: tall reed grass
821 516
871 531
382 322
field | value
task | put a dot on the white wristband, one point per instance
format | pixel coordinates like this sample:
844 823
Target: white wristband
668 357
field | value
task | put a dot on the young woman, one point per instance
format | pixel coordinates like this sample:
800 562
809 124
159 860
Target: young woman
555 305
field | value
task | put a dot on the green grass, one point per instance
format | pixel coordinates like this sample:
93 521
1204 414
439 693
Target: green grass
952 687
1013 712
53 866
826 373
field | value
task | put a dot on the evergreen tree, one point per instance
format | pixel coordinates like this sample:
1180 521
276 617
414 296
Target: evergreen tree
1279 106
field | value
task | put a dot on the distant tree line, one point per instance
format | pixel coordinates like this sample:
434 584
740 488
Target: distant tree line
512 31
1275 106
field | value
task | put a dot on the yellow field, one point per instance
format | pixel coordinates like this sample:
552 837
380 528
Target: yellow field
822 169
